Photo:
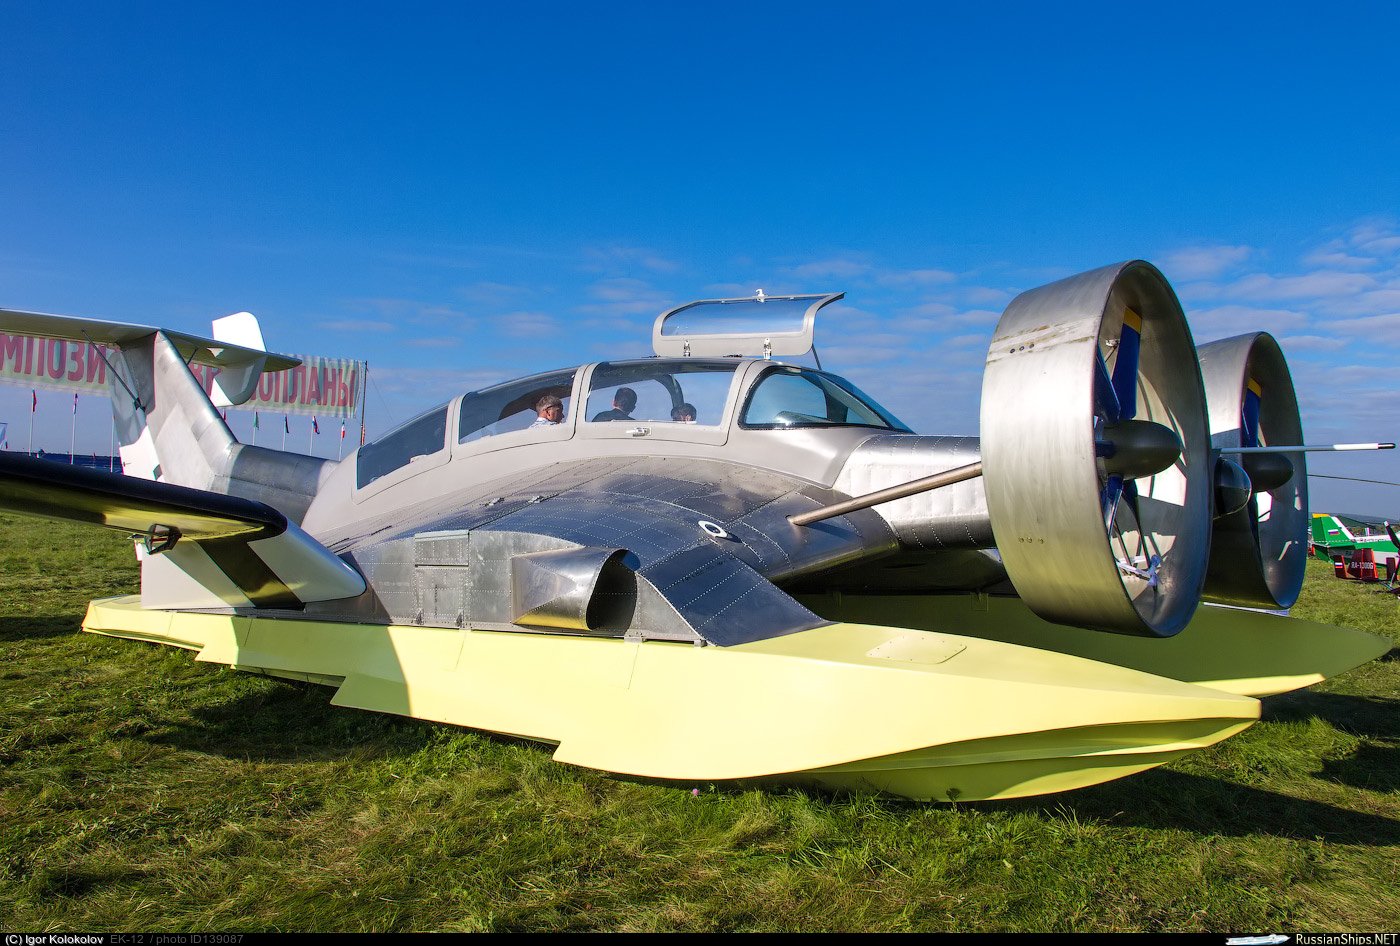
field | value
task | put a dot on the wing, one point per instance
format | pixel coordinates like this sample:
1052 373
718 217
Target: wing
236 552
674 549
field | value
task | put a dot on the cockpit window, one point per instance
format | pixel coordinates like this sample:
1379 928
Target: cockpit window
512 406
660 391
417 439
795 397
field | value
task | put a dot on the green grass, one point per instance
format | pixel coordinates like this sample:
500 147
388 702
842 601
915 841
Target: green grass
142 790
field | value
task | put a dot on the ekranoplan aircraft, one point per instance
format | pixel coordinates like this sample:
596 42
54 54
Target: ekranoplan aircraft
793 587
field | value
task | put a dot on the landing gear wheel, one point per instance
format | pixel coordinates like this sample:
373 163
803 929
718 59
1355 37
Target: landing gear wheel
1095 452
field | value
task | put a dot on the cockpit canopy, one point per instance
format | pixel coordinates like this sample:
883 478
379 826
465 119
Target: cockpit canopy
673 392
759 325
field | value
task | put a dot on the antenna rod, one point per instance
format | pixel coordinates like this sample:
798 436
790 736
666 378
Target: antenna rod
938 480
1301 448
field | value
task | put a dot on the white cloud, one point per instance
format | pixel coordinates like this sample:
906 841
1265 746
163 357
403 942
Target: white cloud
623 298
489 293
1374 327
357 325
985 295
1322 284
1366 303
1336 258
618 257
1203 262
929 310
915 277
437 341
835 268
1227 320
1292 343
1376 236
835 357
525 323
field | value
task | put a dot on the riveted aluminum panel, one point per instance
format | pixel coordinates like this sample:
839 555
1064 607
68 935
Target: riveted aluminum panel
953 517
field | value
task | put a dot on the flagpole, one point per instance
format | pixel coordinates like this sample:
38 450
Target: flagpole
73 432
340 451
33 406
284 431
255 428
310 437
112 448
364 397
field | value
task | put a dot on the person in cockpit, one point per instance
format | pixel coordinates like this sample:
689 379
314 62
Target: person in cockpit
624 401
684 413
550 410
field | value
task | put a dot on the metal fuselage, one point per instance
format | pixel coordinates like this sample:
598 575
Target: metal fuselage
646 487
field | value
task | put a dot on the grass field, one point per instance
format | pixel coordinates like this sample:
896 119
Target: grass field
140 790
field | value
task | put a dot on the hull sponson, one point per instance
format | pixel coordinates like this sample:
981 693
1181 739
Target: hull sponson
1245 652
930 716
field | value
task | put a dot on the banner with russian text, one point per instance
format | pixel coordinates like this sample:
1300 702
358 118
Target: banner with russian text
325 386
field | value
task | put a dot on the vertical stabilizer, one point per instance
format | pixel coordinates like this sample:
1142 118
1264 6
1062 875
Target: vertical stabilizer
169 428
171 431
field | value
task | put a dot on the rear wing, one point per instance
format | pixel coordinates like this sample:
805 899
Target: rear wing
236 347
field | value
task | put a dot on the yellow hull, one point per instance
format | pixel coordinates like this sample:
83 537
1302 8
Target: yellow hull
920 714
1239 651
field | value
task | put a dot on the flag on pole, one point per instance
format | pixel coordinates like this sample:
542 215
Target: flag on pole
255 420
315 427
342 430
4 441
35 406
286 427
75 403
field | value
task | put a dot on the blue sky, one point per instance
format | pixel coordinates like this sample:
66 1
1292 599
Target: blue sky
465 192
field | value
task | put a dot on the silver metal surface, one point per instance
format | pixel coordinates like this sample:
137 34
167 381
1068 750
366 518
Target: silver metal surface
1257 554
170 431
954 517
556 588
1044 484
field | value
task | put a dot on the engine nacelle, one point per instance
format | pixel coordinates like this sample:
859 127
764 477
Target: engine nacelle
1096 455
1258 552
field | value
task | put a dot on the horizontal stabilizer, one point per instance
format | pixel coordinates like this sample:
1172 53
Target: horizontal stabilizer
240 553
194 348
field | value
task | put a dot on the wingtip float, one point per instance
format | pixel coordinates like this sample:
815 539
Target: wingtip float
714 565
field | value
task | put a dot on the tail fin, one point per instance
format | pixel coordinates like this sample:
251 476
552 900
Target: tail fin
169 429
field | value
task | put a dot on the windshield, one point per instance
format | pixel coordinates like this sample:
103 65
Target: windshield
410 442
788 397
678 391
515 405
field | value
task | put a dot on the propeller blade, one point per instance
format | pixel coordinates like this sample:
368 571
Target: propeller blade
1249 414
1112 492
1130 495
1105 400
1125 368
